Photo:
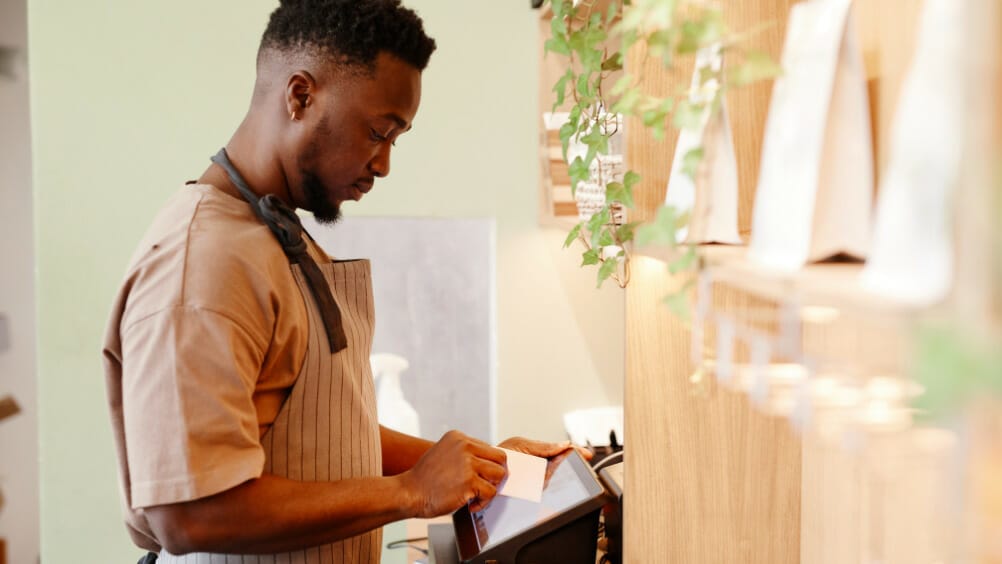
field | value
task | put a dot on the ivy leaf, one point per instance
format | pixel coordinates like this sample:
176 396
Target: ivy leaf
567 131
561 8
630 179
558 26
557 44
612 13
690 162
621 85
578 171
589 257
607 269
709 28
582 85
652 117
688 115
613 63
597 221
658 130
627 102
572 236
756 66
678 303
561 88
618 192
605 238
596 141
626 231
662 230
684 262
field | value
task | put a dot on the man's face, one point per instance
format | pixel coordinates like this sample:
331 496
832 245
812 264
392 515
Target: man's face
348 141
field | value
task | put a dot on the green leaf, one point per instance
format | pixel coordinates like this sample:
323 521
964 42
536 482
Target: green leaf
597 221
607 269
688 115
696 33
627 102
622 84
567 132
652 117
662 230
597 142
684 262
678 303
561 8
613 63
561 88
626 231
690 162
558 26
756 66
578 172
956 366
557 44
658 130
692 33
583 85
575 115
589 257
618 192
573 235
630 179
605 238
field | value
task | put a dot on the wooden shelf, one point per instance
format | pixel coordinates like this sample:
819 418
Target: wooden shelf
835 284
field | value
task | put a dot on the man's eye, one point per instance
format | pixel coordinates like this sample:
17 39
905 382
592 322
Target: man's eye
376 136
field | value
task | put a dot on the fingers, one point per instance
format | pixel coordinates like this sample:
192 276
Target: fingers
485 451
476 447
481 494
536 448
490 471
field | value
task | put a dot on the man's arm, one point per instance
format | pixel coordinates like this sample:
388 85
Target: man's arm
400 452
272 514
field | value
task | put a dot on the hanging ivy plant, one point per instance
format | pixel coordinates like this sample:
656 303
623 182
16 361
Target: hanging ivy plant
668 31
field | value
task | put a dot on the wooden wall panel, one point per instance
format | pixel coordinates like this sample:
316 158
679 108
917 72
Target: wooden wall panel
710 479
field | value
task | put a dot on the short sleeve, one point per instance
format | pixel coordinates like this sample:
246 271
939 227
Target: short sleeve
190 425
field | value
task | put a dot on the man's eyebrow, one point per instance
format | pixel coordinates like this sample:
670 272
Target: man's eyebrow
401 122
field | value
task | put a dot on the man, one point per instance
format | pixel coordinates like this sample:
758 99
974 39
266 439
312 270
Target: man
237 353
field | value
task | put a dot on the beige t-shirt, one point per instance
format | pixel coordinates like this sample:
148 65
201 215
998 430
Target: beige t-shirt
205 341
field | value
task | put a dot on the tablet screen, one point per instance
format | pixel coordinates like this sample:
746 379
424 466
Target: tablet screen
505 517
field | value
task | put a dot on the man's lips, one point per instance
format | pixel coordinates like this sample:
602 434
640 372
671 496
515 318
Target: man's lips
363 186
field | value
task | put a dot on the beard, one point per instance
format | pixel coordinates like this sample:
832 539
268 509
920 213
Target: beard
324 211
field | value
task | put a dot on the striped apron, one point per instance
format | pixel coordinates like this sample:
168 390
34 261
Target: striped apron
327 428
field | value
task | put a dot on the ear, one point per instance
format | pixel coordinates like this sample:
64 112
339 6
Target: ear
299 94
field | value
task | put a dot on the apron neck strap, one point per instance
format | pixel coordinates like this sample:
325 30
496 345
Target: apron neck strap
285 225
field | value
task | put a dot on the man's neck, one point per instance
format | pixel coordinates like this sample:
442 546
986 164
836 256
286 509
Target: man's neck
256 162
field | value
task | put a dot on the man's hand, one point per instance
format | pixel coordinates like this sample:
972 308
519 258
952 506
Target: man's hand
541 449
554 452
456 470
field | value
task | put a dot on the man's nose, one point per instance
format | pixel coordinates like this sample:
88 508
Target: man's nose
379 166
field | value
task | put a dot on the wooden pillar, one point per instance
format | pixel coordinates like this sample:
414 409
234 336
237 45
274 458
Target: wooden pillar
708 478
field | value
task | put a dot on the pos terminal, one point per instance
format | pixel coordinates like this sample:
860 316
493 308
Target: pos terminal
562 527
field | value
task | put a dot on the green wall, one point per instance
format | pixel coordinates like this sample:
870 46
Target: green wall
130 98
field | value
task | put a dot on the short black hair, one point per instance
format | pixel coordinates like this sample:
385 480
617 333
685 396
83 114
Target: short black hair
353 31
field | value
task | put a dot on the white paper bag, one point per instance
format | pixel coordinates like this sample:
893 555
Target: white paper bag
815 186
712 197
912 258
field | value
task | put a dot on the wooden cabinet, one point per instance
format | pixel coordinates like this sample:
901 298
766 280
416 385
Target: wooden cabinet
713 479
